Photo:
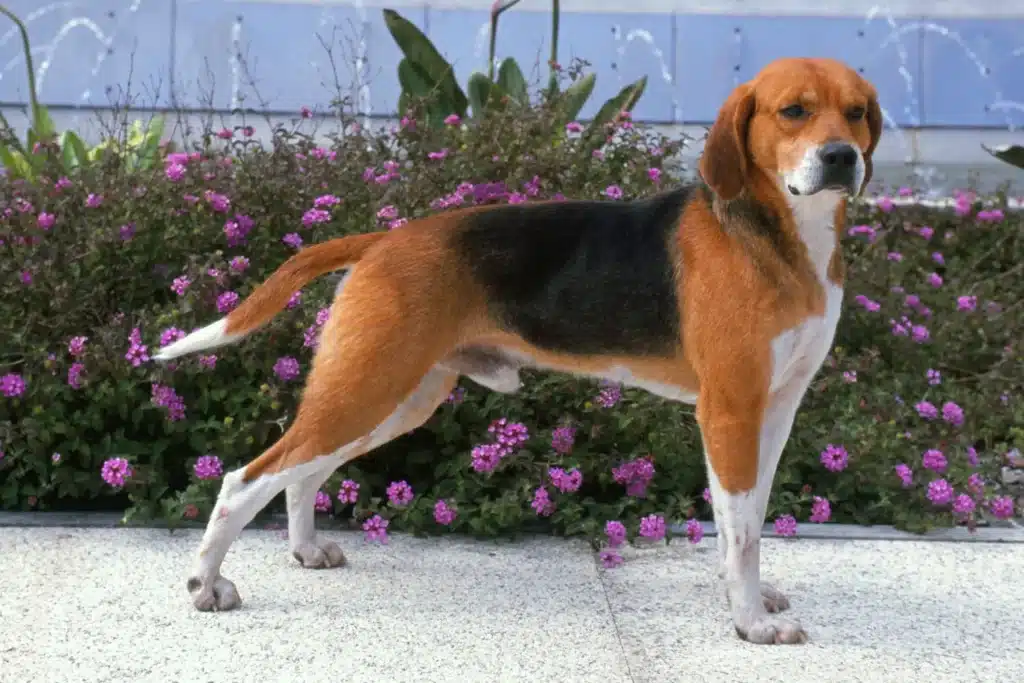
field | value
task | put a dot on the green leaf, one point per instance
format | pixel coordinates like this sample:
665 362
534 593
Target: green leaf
576 96
511 80
1011 154
422 53
72 149
484 94
624 101
414 81
43 124
16 164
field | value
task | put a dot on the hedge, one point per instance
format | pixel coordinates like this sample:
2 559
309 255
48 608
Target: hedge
908 423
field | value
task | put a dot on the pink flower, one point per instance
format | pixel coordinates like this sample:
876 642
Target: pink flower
616 533
322 503
93 200
225 134
694 531
562 439
437 156
325 200
452 120
885 204
905 474
935 280
574 127
934 460
376 529
387 212
925 232
314 216
1001 507
963 504
652 527
835 458
399 493
349 492
76 347
286 368
542 504
75 375
180 284
443 513
966 303
612 192
293 240
610 558
46 220
952 413
218 202
785 525
116 472
208 467
927 410
306 113
566 482
821 510
226 302
238 264
940 492
654 174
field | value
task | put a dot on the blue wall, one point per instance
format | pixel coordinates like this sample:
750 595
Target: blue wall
943 72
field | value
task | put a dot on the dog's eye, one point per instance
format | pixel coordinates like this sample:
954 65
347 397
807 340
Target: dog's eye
794 111
855 113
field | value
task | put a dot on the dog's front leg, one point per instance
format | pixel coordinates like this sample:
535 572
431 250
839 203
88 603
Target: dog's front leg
735 420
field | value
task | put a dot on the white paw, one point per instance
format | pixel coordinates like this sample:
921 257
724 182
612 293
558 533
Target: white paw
771 629
219 595
774 600
319 555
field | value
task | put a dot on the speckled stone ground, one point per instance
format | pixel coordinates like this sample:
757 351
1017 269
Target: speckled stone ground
90 605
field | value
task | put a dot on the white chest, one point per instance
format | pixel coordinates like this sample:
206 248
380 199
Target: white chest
798 352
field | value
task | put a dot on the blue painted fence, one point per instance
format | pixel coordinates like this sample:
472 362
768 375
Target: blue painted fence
958 72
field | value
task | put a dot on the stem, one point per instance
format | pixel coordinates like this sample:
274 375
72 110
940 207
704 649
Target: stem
553 81
494 40
28 62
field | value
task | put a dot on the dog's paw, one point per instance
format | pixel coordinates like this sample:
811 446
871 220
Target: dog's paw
219 595
774 600
770 629
319 555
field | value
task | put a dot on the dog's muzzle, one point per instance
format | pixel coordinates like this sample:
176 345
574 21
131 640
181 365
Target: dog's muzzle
833 166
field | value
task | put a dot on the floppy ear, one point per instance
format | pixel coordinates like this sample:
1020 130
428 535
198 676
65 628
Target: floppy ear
874 116
724 162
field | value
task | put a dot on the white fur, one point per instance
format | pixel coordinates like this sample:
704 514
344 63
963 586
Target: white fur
808 174
797 354
208 337
238 503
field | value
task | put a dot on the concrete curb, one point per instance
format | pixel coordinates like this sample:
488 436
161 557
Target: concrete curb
1007 532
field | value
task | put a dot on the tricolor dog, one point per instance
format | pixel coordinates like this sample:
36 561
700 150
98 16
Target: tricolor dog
724 293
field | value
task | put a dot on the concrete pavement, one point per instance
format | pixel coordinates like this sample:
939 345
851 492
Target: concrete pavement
85 605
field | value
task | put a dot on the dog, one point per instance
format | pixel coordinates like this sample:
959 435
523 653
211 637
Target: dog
724 293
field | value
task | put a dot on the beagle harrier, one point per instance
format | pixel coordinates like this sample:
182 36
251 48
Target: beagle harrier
724 293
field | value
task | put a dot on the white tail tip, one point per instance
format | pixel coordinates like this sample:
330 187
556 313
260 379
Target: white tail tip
207 337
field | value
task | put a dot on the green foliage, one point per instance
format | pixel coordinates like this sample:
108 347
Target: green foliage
1011 154
113 257
428 79
44 151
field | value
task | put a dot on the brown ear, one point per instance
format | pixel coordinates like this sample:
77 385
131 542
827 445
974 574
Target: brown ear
874 115
724 162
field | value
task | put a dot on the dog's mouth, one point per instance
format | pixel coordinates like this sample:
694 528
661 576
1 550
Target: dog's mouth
835 187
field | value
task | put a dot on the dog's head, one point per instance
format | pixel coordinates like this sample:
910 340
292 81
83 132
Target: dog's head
807 124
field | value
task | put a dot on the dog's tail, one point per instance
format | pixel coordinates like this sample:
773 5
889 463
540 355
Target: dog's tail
270 297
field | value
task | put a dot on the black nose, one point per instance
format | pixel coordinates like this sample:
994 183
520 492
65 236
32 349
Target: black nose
837 155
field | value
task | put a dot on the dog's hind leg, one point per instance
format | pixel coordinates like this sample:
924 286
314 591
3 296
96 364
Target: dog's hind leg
314 553
376 353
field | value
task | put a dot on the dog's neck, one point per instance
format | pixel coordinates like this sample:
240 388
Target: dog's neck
815 220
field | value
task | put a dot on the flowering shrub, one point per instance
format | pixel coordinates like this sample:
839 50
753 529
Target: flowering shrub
908 423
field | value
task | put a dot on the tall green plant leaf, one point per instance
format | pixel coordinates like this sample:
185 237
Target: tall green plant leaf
72 150
576 96
418 49
15 163
624 101
1011 154
511 80
484 94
